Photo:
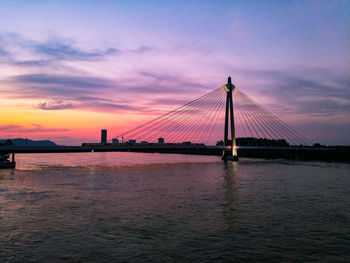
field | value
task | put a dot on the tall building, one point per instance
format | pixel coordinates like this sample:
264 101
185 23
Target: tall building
103 136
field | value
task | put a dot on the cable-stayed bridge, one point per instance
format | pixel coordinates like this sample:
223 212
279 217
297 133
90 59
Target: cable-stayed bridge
225 118
206 120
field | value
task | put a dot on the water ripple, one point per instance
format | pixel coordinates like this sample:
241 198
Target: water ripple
171 208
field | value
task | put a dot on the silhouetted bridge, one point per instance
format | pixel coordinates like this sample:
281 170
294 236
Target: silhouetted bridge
302 153
198 122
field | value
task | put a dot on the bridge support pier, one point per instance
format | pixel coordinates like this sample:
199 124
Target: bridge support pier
228 156
231 153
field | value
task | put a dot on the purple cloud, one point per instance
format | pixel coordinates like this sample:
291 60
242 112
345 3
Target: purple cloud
317 91
35 128
56 105
63 51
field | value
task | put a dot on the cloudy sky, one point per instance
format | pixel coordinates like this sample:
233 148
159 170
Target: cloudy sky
70 68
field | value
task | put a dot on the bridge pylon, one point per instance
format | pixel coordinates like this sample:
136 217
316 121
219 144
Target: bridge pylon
229 154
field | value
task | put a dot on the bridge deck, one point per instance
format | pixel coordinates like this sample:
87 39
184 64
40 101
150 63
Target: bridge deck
72 149
302 153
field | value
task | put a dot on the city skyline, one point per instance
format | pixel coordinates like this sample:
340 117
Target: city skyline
70 69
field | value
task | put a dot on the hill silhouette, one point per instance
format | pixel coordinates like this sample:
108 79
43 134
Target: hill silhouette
27 142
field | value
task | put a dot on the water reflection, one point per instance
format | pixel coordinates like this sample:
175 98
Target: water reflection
230 207
170 208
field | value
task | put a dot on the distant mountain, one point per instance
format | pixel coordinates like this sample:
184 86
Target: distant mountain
27 142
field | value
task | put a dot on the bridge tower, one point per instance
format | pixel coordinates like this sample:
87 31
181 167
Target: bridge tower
229 154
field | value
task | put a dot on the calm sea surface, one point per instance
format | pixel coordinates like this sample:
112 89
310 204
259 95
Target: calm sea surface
135 207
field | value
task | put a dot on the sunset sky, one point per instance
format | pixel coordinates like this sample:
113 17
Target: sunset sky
70 68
